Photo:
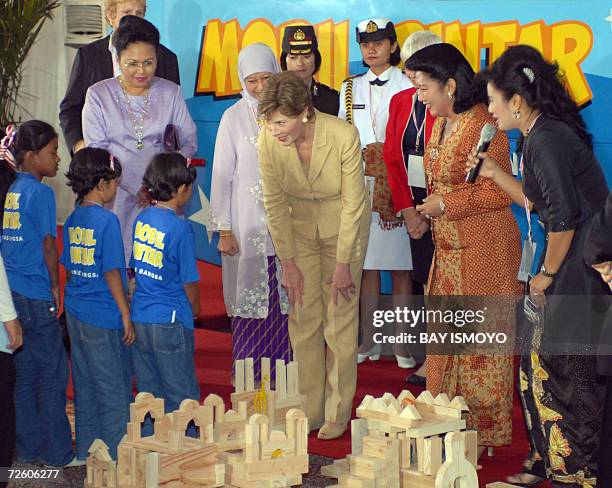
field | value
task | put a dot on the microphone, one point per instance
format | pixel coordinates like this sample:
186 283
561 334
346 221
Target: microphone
486 136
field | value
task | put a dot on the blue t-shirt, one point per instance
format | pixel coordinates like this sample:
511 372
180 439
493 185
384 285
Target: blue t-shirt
29 216
163 258
92 247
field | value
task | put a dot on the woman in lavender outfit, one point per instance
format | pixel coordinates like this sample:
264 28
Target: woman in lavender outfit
129 114
251 286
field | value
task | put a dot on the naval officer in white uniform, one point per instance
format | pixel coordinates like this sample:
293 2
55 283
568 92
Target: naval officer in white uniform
364 102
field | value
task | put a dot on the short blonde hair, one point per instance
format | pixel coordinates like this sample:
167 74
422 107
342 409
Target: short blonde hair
286 92
417 41
110 7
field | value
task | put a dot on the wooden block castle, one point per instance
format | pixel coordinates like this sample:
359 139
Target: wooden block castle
398 442
231 450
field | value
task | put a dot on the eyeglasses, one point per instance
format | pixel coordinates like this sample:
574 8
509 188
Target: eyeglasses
132 65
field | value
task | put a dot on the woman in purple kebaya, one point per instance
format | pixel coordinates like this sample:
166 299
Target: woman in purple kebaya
128 116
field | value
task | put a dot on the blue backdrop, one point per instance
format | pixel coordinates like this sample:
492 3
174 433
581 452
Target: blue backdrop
206 36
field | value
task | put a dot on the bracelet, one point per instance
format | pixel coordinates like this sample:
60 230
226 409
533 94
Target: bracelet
225 233
442 206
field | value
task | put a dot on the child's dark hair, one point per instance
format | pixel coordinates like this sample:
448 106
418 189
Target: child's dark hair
32 135
88 167
165 174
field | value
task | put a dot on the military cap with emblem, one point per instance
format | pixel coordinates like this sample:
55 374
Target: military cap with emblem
375 30
299 39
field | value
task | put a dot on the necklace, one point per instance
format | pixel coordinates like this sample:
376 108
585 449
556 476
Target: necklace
158 204
91 201
136 118
419 130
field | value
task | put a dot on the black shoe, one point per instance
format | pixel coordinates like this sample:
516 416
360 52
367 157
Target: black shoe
416 380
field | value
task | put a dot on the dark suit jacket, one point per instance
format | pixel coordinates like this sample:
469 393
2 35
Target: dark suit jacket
598 249
93 63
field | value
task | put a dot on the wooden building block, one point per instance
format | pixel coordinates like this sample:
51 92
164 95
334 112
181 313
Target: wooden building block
367 467
249 374
352 481
292 379
405 451
425 397
414 479
359 429
420 451
265 373
456 466
376 446
501 484
433 455
336 469
281 380
239 376
471 447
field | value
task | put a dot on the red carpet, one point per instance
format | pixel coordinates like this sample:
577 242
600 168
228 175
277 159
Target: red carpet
213 363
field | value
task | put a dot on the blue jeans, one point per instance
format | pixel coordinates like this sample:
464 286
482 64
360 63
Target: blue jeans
102 385
43 430
164 364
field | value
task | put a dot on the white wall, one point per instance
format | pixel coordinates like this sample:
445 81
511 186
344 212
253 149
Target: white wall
47 70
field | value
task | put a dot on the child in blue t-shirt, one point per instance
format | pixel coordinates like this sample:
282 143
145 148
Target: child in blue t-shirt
97 310
166 296
30 258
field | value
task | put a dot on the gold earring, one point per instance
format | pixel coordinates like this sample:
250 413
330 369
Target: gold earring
517 114
451 96
304 119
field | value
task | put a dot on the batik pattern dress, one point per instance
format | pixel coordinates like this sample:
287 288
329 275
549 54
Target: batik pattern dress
477 253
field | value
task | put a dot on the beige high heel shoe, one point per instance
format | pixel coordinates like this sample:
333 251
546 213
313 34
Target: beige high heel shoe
331 430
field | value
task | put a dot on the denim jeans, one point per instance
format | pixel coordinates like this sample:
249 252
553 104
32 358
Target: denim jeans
102 385
43 430
164 364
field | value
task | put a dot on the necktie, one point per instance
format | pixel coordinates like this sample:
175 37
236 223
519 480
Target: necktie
378 82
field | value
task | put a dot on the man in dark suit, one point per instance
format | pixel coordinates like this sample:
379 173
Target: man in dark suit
95 62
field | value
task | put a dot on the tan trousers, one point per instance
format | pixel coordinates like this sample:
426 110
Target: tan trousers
323 335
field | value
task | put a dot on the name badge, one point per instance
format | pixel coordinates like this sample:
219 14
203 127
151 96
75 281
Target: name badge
358 106
529 251
416 172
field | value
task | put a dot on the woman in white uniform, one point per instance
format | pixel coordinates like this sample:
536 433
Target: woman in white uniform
364 102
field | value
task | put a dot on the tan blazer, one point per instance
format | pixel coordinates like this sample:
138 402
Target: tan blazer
330 200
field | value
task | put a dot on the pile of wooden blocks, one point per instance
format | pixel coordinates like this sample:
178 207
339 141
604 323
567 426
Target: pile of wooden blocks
272 402
398 442
232 449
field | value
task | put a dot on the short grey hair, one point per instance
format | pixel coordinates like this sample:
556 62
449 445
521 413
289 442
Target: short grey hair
417 41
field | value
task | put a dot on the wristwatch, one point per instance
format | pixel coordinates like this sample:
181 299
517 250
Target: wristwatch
546 273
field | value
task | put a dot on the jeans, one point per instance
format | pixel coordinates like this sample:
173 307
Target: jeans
164 364
102 385
43 430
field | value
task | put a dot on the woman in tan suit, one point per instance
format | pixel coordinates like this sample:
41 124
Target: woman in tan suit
318 217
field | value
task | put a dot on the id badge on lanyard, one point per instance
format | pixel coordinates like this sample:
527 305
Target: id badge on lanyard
529 246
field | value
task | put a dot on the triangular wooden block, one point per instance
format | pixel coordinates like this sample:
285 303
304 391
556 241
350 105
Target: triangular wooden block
366 402
442 400
97 444
406 398
378 405
410 412
425 397
459 403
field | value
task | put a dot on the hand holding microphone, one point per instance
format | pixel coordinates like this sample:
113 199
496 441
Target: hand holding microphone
478 163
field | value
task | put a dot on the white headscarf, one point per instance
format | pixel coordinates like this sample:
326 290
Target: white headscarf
255 58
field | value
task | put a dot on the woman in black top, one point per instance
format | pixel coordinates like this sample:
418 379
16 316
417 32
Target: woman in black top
300 53
563 182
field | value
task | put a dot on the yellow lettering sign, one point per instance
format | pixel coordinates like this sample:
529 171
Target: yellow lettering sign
568 43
